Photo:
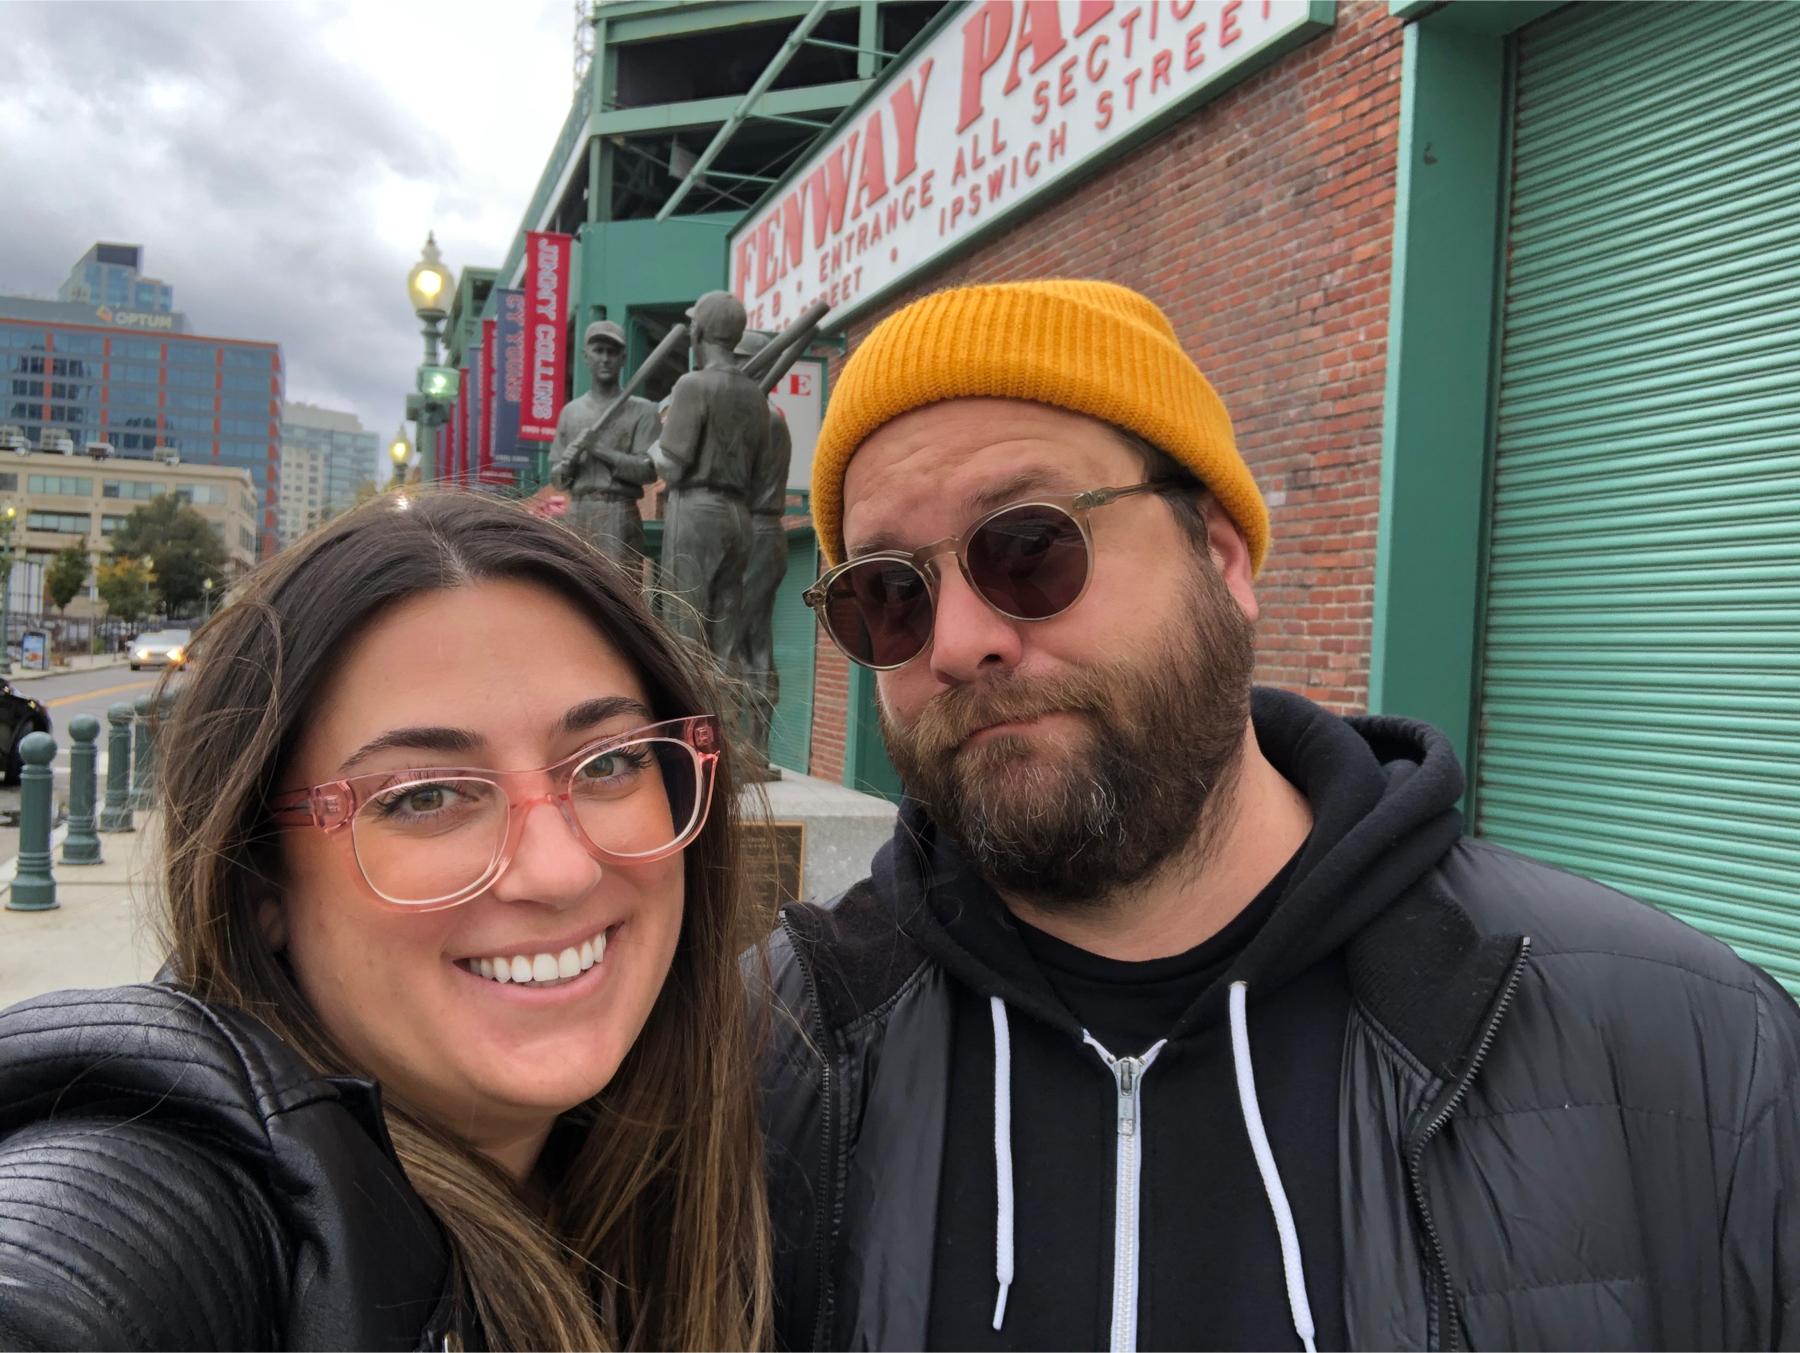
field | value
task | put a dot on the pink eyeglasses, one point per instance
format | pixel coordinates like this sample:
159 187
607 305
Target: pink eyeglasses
437 836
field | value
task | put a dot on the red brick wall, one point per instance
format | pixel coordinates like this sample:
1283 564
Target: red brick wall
1263 225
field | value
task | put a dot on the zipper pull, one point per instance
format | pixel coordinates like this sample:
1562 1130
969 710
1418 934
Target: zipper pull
1125 1072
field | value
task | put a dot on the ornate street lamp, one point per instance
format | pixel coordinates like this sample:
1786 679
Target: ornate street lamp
8 519
206 589
430 288
400 452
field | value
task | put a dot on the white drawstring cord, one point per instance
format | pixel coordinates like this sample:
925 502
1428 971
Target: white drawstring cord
1003 1170
1265 1165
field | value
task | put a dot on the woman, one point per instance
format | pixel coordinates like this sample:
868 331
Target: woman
435 816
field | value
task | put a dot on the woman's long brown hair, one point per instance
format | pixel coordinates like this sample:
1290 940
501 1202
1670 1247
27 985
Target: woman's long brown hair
658 1234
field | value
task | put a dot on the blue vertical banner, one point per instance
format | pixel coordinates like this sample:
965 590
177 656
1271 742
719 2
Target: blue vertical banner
476 359
509 387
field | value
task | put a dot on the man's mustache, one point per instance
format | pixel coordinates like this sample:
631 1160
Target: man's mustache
952 718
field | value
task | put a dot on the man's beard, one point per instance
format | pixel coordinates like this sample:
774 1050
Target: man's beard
1160 742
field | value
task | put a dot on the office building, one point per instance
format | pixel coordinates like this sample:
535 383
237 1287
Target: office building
74 373
109 275
350 453
60 500
302 491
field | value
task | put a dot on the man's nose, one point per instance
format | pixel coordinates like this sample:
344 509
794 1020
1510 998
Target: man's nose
969 638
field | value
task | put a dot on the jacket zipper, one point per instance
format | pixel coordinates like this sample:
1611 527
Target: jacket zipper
1128 1159
1446 1329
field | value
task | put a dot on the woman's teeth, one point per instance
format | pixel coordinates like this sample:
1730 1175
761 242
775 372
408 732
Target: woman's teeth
539 969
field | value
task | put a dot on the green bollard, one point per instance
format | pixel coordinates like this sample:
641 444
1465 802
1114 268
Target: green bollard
115 814
32 887
142 754
81 846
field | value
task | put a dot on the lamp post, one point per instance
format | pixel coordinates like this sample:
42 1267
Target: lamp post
206 591
429 287
400 452
8 519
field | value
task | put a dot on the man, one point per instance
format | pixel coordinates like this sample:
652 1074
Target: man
605 476
717 428
763 573
1181 1014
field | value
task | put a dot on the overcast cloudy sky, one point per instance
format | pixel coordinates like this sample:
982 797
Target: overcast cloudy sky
280 163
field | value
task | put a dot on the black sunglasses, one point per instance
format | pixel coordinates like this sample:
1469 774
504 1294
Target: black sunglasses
1029 561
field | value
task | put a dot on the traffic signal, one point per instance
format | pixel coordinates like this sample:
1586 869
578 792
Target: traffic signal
439 382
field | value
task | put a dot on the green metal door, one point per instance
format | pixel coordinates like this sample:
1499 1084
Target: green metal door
1639 707
790 732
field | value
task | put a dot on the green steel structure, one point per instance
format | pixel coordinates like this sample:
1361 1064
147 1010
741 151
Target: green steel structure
686 113
1591 491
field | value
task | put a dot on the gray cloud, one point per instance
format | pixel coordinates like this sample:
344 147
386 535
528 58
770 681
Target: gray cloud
253 164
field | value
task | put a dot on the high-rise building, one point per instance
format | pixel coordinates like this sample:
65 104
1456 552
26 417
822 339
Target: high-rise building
109 275
350 453
302 490
78 372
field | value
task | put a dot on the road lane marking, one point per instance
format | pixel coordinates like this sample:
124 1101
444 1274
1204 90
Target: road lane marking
95 695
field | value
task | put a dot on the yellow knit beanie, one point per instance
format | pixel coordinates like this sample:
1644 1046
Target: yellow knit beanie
1089 347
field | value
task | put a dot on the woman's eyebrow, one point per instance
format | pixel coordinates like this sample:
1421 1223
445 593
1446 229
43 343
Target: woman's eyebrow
461 740
590 712
426 739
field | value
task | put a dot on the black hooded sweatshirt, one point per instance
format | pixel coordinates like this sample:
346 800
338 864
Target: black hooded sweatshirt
1210 1269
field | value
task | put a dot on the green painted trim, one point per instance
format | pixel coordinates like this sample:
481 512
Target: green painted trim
868 38
866 764
1321 15
1442 343
1408 10
1490 18
644 22
714 112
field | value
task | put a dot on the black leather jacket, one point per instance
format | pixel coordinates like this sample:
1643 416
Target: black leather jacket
1565 1120
172 1176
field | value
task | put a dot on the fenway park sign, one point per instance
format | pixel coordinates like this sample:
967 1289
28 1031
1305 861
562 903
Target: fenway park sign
1003 102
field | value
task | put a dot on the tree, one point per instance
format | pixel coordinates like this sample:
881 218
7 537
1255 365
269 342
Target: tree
181 545
66 576
124 585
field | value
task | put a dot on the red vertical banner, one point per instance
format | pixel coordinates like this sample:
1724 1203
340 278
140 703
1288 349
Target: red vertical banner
547 260
488 395
462 425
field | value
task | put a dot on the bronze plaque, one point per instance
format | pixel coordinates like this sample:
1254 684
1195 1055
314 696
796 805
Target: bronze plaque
773 862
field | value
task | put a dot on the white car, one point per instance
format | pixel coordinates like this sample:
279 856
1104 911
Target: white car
160 648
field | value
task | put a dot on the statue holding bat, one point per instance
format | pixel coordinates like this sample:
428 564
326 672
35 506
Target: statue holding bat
601 452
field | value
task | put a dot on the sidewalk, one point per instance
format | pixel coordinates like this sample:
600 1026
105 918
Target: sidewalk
80 663
98 937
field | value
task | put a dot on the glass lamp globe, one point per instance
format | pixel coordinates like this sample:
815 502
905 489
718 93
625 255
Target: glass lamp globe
428 285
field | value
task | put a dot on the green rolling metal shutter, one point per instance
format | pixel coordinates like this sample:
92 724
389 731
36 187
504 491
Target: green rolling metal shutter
1640 696
790 732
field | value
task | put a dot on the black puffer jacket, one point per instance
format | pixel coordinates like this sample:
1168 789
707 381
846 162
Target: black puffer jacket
172 1176
1565 1119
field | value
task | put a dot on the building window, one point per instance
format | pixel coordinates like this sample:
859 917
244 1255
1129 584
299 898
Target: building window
64 523
128 488
9 483
110 523
72 486
201 493
142 349
256 358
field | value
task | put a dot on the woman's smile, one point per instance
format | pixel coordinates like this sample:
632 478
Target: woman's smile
568 970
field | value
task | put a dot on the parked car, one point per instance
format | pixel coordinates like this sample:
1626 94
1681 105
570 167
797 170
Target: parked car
160 648
19 715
